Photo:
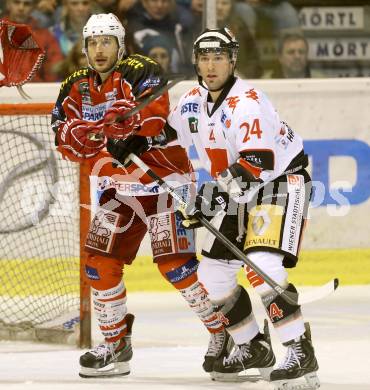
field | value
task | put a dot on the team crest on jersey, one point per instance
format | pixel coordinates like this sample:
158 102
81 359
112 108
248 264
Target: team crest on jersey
83 88
193 125
111 95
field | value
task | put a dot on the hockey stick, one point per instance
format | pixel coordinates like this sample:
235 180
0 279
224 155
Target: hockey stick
144 101
288 296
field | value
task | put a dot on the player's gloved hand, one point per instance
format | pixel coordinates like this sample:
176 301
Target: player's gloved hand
116 128
207 203
120 149
76 139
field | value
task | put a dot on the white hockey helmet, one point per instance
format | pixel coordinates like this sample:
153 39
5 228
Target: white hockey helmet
105 24
216 40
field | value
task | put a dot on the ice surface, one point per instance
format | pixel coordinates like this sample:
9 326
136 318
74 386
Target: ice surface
170 342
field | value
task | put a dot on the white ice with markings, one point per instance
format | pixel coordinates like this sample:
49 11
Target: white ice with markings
169 345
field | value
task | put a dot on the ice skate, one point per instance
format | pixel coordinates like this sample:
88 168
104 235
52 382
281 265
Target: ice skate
219 345
109 359
300 361
257 353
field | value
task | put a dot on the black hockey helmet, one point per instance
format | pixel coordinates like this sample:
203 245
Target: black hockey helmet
216 40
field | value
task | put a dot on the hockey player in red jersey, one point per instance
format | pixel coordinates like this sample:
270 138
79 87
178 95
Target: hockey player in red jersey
87 120
259 201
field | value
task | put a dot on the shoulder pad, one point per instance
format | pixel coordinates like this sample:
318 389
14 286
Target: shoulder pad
136 62
194 92
77 75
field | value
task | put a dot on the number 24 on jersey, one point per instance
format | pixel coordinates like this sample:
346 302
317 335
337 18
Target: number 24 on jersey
251 130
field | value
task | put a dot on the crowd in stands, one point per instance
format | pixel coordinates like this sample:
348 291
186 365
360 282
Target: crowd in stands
272 43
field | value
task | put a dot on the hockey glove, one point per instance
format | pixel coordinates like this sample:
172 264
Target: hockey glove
116 128
239 179
120 149
75 141
208 202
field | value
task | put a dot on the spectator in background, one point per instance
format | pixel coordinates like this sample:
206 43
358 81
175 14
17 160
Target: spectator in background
45 12
269 21
248 64
73 17
120 9
279 16
20 11
161 17
116 7
125 5
106 6
74 61
158 47
293 59
196 9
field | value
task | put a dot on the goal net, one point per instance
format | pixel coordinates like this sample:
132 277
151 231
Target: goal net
39 230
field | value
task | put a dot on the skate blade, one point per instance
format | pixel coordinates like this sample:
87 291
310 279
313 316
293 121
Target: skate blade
266 372
113 369
234 377
312 383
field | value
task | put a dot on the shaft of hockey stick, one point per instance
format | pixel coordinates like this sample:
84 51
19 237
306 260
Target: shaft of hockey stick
288 296
146 99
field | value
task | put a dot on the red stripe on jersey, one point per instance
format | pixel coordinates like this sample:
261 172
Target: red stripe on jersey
218 158
255 171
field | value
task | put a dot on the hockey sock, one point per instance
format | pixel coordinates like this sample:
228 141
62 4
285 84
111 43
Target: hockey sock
240 320
110 309
109 295
181 273
286 318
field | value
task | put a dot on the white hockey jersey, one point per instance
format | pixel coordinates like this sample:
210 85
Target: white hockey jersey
245 124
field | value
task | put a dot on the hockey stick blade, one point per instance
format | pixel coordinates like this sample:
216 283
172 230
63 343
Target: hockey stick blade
317 293
290 297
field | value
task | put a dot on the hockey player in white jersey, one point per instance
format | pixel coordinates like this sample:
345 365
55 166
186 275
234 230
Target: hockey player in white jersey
259 201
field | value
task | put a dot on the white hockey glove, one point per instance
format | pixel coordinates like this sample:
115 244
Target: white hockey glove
236 180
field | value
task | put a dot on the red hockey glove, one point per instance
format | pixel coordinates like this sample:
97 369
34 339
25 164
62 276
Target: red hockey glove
76 141
113 127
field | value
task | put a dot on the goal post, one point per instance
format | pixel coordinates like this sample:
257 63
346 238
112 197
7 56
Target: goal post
43 291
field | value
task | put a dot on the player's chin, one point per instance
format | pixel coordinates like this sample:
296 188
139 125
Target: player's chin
102 68
214 87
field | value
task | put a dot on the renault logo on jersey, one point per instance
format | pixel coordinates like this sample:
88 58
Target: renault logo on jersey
261 222
193 125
